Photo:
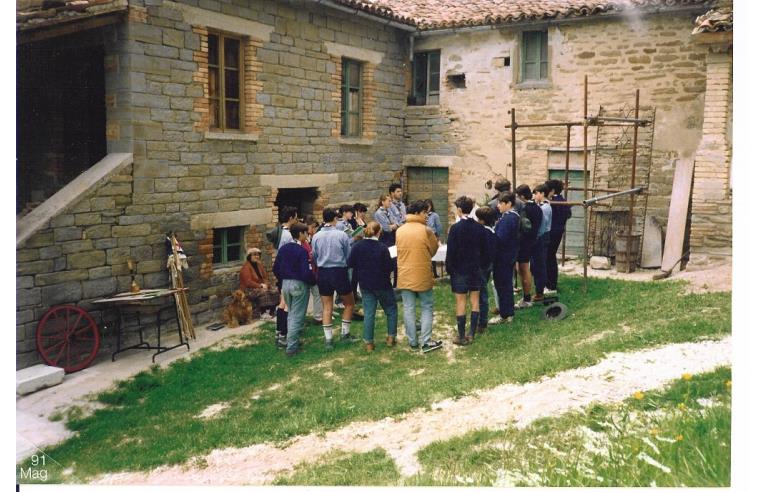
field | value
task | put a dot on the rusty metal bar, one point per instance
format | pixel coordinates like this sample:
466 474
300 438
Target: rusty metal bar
514 160
567 170
586 178
633 181
604 190
539 125
594 200
594 120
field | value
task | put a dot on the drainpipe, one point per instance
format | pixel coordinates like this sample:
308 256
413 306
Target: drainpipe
365 15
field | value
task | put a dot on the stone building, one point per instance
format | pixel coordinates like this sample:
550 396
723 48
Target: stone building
202 117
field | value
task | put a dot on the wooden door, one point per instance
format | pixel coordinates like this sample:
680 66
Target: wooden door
432 183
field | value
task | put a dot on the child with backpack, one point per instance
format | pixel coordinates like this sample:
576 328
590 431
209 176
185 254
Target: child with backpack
530 221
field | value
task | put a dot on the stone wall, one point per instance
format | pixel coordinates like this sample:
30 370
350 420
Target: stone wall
654 54
190 180
712 193
79 257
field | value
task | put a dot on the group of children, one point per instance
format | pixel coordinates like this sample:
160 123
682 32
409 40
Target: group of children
517 233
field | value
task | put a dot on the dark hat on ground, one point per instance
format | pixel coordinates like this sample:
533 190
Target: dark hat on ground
554 312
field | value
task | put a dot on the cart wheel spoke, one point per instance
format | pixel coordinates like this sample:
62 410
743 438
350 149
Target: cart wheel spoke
67 337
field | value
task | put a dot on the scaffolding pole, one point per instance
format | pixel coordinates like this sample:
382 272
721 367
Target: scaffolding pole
567 169
586 179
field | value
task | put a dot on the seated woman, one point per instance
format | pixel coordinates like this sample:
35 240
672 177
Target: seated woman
254 281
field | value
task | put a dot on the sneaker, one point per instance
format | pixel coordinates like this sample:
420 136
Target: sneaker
458 341
469 338
516 290
523 305
348 338
390 341
293 353
481 329
281 341
328 344
496 320
415 348
370 347
432 345
550 292
538 298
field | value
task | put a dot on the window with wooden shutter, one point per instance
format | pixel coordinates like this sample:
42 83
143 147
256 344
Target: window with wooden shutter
426 79
225 81
351 98
534 56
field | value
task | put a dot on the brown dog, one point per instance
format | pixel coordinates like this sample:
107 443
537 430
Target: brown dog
239 311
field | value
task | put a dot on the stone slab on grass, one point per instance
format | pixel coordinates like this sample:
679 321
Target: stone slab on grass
37 377
600 262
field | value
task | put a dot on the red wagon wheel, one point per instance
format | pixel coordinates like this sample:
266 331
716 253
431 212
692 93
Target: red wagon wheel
67 337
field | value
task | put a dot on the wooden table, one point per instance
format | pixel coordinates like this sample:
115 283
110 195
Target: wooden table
134 304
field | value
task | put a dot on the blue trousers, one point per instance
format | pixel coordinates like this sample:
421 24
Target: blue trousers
538 263
296 294
386 299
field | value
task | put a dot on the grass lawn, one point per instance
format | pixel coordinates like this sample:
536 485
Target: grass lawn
149 420
672 438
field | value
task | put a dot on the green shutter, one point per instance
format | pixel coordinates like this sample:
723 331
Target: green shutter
534 55
351 98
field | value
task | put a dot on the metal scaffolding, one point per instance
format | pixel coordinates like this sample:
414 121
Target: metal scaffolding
620 176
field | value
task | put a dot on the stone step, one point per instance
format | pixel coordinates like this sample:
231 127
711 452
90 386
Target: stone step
37 377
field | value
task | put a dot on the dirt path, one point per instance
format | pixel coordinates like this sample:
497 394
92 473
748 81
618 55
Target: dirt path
711 277
614 379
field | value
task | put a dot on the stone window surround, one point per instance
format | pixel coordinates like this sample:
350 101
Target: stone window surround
218 220
369 59
517 83
252 34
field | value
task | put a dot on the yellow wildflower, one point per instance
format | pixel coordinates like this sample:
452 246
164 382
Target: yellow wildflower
653 431
679 437
638 395
682 407
728 384
687 376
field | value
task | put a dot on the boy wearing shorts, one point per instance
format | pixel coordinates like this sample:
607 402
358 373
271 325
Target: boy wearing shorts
465 257
331 248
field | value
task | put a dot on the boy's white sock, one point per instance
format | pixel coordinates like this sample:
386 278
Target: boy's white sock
328 332
345 326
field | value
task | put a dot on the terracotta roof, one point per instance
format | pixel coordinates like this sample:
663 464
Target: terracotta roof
442 14
31 14
715 20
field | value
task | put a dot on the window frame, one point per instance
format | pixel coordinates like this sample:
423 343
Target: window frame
345 98
429 93
224 245
222 96
541 57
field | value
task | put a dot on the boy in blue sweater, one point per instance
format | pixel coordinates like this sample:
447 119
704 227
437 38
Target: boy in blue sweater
507 248
371 263
466 255
292 268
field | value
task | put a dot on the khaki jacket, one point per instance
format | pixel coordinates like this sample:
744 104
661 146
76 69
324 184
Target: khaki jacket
416 246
